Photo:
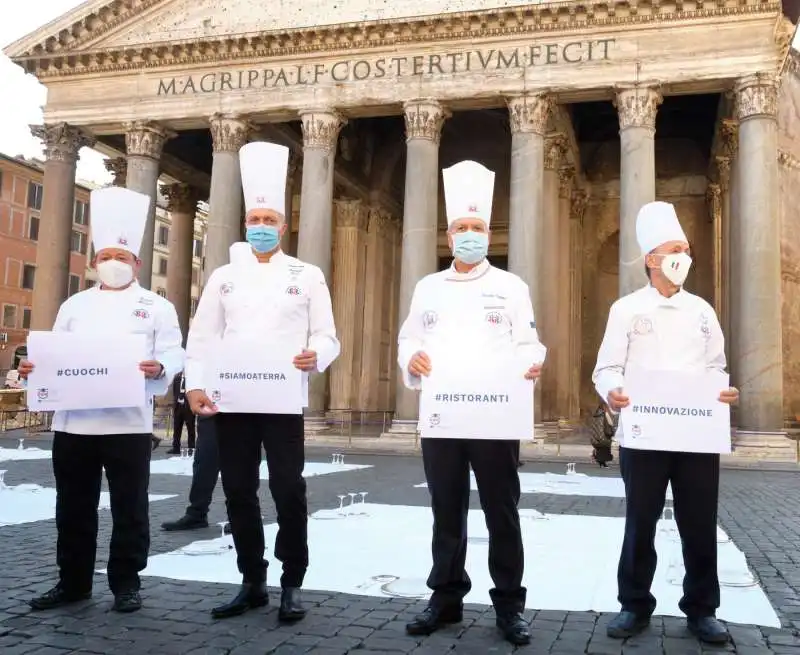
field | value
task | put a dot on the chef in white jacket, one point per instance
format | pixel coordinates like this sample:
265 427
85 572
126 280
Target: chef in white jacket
664 327
272 298
484 309
117 440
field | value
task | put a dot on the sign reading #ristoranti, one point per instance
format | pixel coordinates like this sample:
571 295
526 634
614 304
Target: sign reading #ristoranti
676 411
255 379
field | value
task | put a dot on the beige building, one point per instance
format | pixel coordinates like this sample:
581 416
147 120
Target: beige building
585 110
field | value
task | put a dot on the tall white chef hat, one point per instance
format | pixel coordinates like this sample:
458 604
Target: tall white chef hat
264 169
656 224
118 218
468 191
241 253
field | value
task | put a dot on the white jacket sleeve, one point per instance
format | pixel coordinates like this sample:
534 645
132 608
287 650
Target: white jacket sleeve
523 330
207 329
411 340
613 354
715 346
321 327
167 349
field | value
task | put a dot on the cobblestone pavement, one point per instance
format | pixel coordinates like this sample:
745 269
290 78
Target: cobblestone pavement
759 510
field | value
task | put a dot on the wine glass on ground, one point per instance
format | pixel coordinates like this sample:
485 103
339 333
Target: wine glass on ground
2 481
222 525
21 445
341 503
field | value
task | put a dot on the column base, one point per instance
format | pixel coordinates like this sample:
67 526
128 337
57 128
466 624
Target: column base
773 446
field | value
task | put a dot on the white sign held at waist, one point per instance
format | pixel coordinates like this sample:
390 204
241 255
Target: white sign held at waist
484 399
77 371
676 411
255 378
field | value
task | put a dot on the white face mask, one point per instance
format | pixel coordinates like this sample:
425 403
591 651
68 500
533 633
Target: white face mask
676 267
115 274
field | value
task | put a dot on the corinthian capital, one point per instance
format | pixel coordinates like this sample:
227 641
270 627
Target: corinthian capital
146 139
757 96
182 198
351 214
61 141
321 128
555 147
424 119
530 113
637 105
729 137
118 167
566 179
229 132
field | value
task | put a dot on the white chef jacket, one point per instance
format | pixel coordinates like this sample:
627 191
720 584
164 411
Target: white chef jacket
131 311
653 332
489 309
282 301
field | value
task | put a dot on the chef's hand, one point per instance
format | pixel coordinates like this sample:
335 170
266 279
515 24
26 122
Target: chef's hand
151 369
729 396
419 365
200 403
617 400
306 360
25 368
533 372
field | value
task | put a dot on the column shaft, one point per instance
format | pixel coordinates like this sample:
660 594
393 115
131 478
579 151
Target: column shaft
424 120
182 208
62 143
145 141
637 107
759 356
576 250
391 321
563 308
229 134
286 240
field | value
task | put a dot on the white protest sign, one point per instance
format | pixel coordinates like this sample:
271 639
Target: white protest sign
255 378
76 371
676 411
486 397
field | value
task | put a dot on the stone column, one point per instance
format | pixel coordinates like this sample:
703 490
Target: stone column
145 141
229 134
391 314
546 280
118 166
730 145
637 107
348 301
424 120
576 248
563 309
61 145
758 341
315 236
286 240
182 208
714 202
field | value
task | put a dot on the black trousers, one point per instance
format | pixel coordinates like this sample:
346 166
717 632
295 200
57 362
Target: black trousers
240 438
447 463
78 463
205 470
695 490
183 415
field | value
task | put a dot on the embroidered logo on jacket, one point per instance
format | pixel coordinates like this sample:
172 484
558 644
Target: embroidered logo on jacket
141 313
225 289
643 326
293 291
429 320
495 318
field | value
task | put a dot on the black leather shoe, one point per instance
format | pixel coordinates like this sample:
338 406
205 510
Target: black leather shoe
627 624
514 628
249 597
57 597
127 602
185 523
708 629
291 608
432 618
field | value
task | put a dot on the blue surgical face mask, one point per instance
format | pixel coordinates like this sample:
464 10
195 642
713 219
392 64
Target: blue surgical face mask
263 238
470 247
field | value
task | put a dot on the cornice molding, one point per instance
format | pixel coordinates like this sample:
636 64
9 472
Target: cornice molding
71 51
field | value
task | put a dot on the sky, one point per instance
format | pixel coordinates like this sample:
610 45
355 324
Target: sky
29 96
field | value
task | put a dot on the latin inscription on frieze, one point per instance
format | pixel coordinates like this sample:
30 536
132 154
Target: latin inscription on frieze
494 60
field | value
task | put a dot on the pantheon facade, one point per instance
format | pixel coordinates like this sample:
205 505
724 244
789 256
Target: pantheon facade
586 110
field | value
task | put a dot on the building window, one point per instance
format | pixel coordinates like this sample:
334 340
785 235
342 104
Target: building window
162 266
33 228
196 276
34 195
198 248
162 292
81 213
78 242
193 307
28 276
10 316
163 235
26 318
74 284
